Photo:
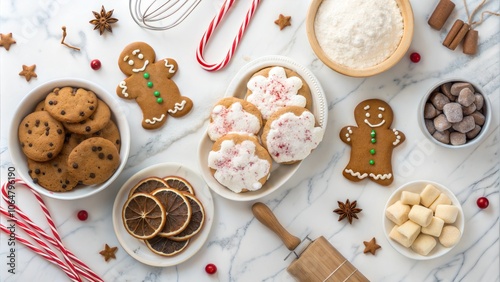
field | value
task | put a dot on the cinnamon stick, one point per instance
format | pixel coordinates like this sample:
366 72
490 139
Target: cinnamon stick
470 42
459 37
441 13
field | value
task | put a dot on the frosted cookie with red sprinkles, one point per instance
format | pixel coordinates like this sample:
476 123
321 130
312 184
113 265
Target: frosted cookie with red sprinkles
239 162
233 115
290 134
276 87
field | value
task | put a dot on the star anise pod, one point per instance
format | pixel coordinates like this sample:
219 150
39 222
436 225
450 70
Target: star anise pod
348 210
103 20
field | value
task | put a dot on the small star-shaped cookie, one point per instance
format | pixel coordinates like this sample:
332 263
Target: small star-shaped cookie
108 252
6 40
28 72
283 21
371 246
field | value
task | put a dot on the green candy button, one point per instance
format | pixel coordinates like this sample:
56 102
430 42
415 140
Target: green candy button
372 151
157 93
159 100
372 162
373 140
150 84
146 75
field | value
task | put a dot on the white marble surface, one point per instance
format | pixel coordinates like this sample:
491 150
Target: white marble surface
241 247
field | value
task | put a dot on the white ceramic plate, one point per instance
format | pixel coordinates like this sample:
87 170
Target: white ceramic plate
137 248
26 107
417 187
237 88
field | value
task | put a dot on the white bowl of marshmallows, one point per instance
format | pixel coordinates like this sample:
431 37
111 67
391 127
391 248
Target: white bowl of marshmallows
423 220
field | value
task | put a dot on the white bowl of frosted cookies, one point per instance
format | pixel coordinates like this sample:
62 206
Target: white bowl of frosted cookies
272 117
423 220
69 139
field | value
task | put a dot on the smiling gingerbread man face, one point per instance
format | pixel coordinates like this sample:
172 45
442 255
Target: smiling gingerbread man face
374 113
136 57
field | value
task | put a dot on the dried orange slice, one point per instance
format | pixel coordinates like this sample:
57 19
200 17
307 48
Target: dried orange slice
148 185
166 247
143 216
196 222
179 183
177 211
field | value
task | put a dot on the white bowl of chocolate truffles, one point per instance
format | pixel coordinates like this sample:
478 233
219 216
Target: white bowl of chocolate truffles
455 113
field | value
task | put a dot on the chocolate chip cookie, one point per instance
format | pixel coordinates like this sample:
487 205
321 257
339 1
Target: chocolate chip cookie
93 161
41 136
53 175
71 104
95 122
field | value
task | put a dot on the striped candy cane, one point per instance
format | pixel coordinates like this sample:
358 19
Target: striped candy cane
213 26
49 257
82 269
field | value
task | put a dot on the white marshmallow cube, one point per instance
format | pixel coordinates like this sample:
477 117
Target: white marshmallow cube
448 213
409 230
441 200
428 195
410 198
420 215
435 228
449 236
398 237
397 212
424 244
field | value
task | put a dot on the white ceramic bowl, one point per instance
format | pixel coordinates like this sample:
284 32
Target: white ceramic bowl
137 248
417 187
469 143
237 88
27 105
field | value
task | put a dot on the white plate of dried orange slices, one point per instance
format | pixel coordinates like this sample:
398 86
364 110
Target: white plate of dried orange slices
155 192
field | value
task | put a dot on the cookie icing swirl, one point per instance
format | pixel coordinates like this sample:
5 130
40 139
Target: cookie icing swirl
237 166
232 119
275 91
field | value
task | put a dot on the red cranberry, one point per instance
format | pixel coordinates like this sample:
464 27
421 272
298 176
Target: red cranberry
415 57
83 215
483 202
95 64
211 268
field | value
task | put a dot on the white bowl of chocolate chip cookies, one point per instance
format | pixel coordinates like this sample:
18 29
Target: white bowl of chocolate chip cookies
69 139
272 117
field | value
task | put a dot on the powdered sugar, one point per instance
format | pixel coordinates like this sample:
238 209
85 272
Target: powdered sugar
232 119
237 166
292 137
275 91
358 33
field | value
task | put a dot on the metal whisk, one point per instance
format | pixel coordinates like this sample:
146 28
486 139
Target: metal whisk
161 15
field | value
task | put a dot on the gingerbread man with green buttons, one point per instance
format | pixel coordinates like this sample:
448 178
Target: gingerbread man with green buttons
149 83
372 143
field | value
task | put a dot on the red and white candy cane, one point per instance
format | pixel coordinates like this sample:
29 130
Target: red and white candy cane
70 268
213 26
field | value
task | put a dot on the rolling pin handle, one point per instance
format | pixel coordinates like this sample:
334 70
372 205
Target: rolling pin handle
263 214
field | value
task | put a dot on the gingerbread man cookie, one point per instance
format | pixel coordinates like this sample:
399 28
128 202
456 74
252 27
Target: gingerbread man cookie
149 83
372 142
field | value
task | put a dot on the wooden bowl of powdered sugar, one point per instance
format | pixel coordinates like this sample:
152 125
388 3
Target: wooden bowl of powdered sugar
360 38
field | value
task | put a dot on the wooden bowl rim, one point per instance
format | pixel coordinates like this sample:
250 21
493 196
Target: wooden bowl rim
394 58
